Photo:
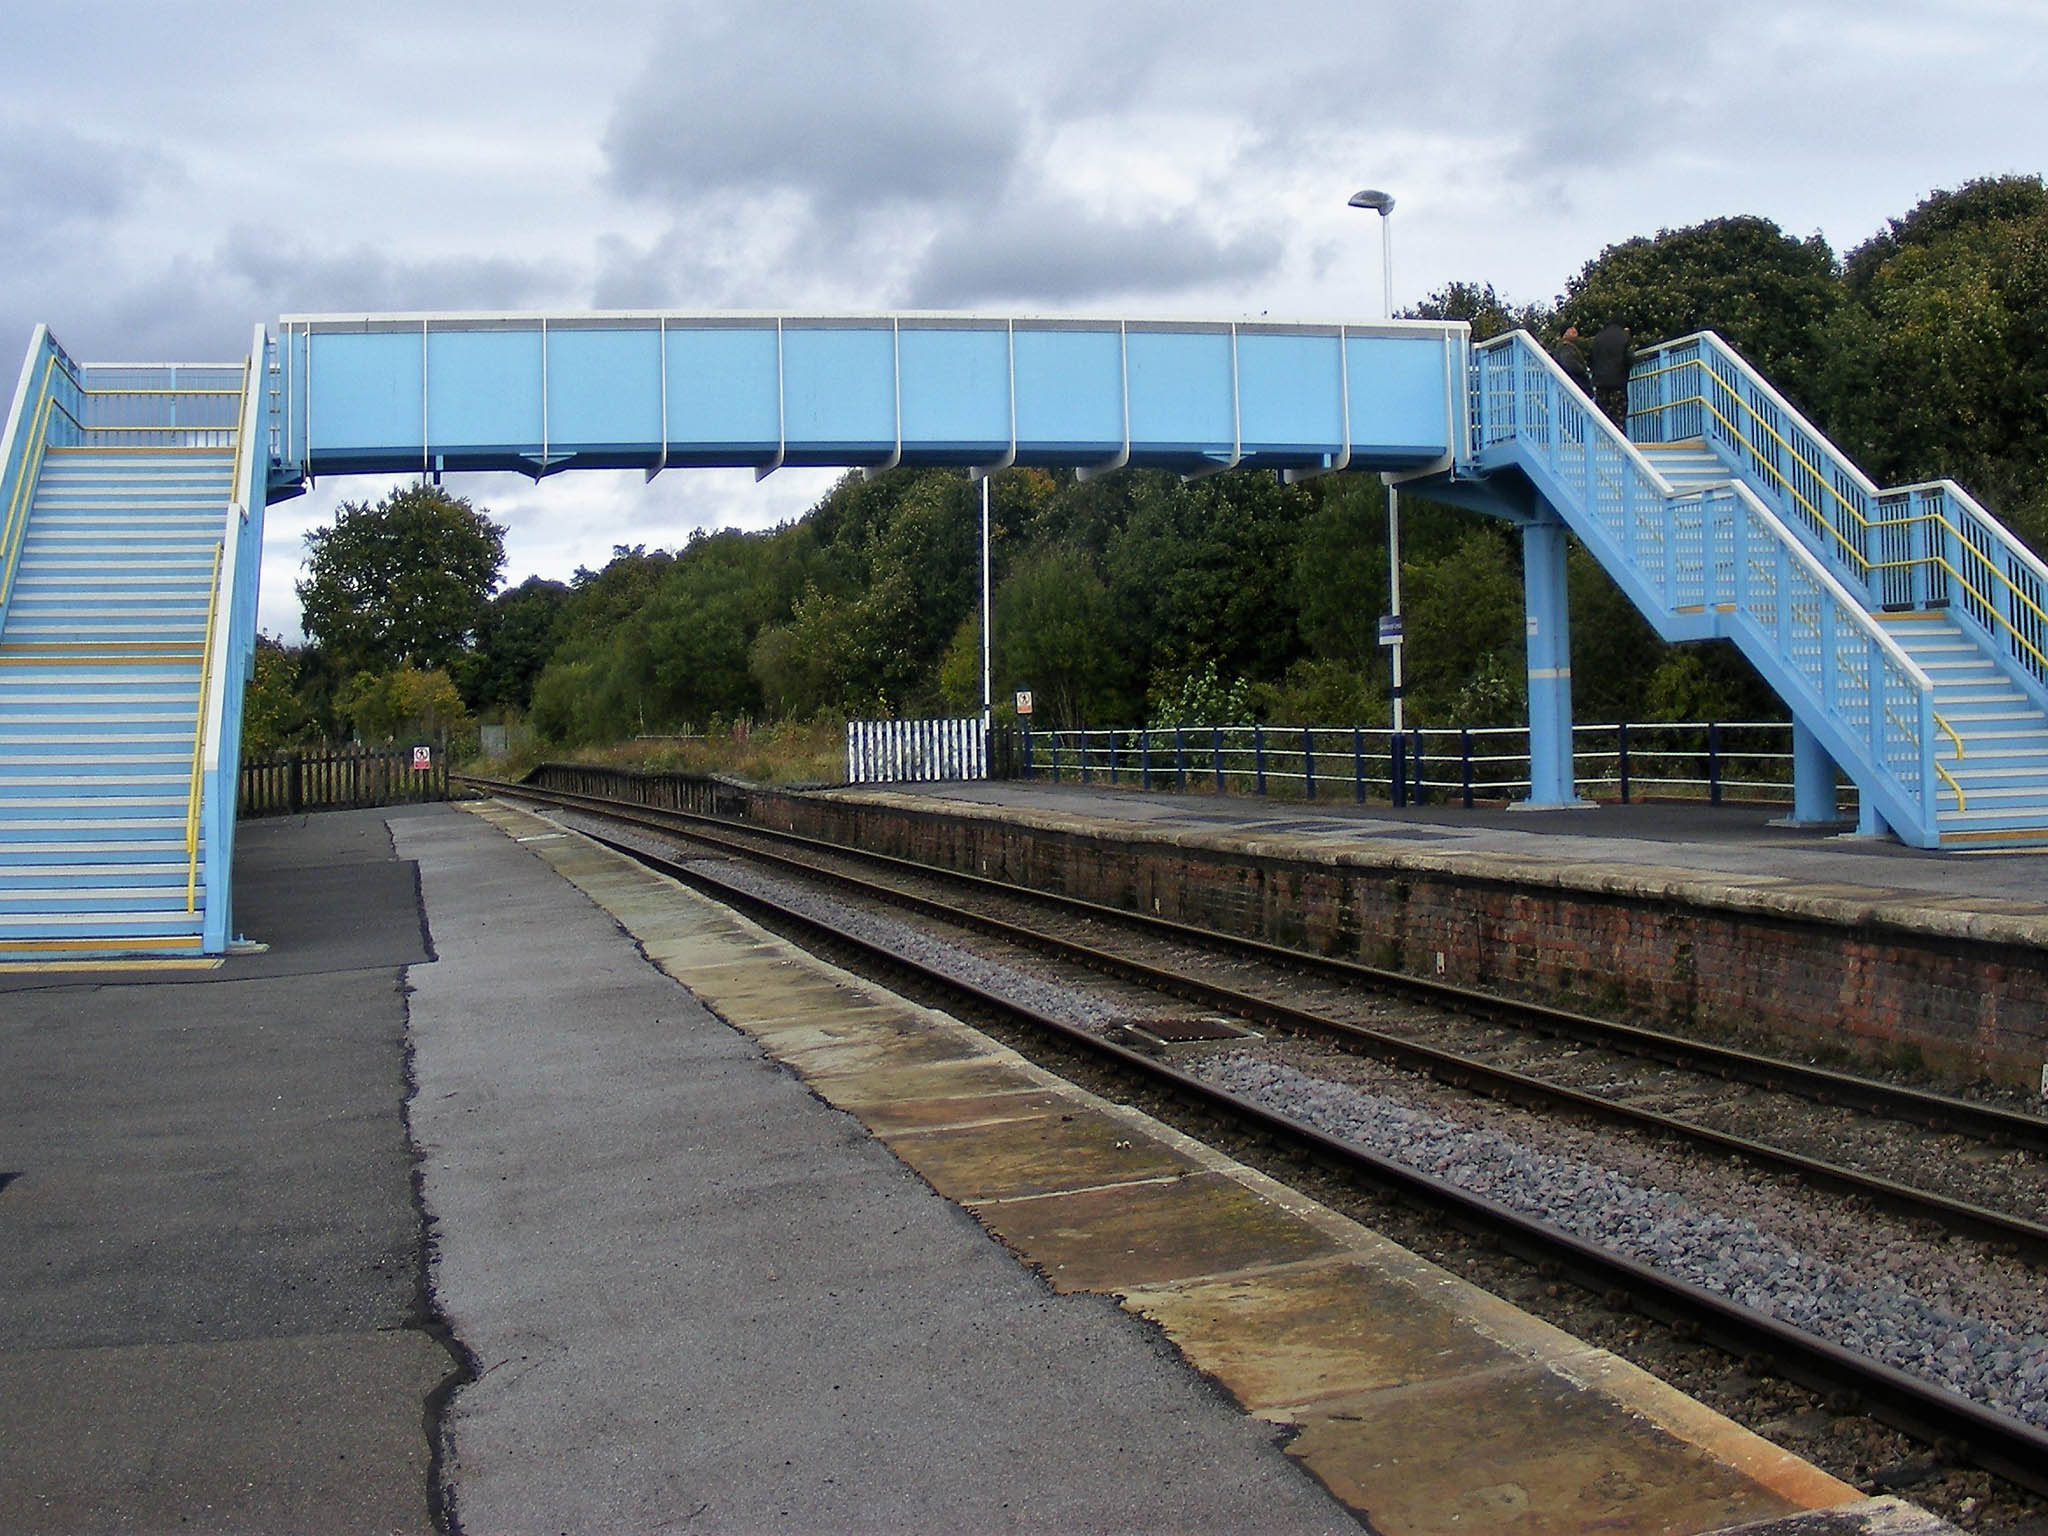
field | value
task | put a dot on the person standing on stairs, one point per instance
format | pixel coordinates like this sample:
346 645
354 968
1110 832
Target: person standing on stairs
1613 353
1572 360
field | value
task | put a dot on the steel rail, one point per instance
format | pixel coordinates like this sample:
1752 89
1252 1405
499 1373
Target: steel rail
1931 1111
1959 1427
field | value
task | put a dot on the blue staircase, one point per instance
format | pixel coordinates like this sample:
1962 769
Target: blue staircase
122 506
1905 629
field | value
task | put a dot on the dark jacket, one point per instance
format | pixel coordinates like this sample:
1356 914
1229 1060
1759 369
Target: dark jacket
1613 352
1573 362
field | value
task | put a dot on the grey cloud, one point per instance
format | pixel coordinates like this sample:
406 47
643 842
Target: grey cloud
284 278
1056 253
201 306
844 104
54 181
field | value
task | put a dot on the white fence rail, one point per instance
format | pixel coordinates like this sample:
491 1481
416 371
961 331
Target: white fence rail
914 751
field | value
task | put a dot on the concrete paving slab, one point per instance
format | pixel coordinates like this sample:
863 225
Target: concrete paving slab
1285 1338
699 1297
1066 1149
1517 1451
1134 1235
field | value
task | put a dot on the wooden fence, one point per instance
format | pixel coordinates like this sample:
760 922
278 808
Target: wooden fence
341 779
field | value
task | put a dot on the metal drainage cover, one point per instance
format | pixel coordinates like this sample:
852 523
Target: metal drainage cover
1185 1031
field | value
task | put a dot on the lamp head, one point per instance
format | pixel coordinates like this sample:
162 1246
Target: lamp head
1381 203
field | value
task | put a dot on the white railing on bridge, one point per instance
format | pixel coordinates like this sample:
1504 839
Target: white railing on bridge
915 751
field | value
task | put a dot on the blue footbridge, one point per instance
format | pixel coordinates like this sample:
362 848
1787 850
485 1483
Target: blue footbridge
1904 628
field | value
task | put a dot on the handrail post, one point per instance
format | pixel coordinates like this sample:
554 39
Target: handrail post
1308 760
1465 762
1713 762
1397 768
1621 758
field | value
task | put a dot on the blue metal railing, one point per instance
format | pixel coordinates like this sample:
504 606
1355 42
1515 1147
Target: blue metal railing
1699 387
1963 558
233 640
45 413
1917 546
1719 562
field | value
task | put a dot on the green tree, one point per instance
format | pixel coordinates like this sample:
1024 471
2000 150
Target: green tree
1486 311
1057 636
274 713
402 582
1462 619
404 702
519 632
1941 357
1203 572
1768 295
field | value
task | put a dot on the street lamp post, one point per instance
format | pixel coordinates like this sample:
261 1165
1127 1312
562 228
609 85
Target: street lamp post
1382 203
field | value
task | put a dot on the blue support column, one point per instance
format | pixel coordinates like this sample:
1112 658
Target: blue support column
1552 784
1814 781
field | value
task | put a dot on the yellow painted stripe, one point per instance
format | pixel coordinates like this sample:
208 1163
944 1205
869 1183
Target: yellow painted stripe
79 946
168 963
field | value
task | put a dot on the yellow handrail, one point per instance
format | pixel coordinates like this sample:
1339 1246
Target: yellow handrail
23 500
1952 736
1962 801
199 739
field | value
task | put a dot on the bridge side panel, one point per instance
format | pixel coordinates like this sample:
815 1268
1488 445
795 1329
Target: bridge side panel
484 393
1401 400
956 395
724 395
1292 392
604 391
839 394
368 405
1182 393
1070 404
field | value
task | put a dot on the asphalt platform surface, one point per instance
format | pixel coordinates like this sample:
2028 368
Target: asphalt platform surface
209 1250
684 1293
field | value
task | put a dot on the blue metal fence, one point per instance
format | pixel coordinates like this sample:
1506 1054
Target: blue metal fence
1710 761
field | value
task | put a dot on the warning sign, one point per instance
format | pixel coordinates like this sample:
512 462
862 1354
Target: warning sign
422 759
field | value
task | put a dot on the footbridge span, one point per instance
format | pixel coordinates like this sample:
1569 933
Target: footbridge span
1903 628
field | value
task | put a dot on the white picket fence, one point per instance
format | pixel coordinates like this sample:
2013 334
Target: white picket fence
907 751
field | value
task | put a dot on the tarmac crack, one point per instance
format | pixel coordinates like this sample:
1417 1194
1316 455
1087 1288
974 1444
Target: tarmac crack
425 1313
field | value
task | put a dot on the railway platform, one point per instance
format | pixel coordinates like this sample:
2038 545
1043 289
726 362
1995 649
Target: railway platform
717 1237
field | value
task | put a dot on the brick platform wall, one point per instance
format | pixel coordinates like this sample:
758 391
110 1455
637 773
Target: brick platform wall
1846 990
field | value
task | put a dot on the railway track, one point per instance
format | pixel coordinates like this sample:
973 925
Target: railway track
1961 1428
1581 1087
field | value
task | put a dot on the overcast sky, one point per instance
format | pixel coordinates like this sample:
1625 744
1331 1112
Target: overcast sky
171 174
